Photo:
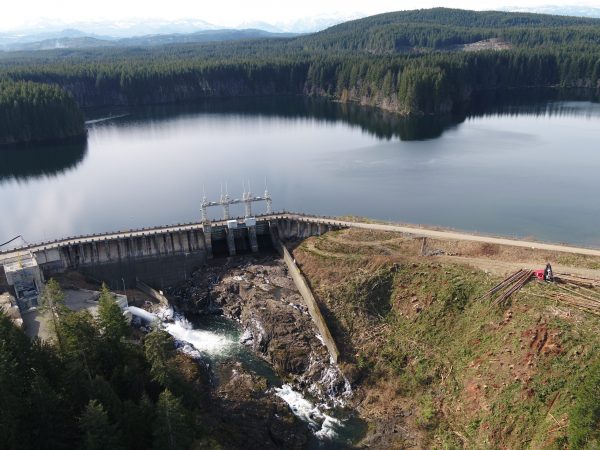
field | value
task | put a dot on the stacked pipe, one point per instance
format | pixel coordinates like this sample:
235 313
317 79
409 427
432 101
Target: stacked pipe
577 291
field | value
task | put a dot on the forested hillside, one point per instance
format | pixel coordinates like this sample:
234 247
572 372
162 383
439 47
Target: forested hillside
31 112
440 28
407 62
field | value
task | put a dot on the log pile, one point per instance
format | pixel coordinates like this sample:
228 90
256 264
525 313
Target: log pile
579 292
507 287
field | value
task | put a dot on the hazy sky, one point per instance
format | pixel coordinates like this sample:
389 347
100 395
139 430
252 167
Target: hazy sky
19 13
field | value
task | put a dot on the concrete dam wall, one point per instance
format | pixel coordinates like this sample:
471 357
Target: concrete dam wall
164 255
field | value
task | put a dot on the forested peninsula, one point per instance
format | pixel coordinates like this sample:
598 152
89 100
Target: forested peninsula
411 63
36 112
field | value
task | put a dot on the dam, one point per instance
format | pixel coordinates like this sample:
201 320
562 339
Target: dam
164 255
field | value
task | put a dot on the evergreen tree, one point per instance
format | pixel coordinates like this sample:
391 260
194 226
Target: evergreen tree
138 419
53 302
49 423
158 348
103 391
98 433
172 426
80 342
110 316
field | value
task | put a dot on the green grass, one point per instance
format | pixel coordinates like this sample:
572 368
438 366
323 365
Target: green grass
584 429
455 341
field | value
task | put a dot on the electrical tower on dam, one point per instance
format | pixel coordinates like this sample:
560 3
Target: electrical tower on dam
249 221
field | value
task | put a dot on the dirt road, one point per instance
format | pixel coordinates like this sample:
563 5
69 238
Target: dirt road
458 236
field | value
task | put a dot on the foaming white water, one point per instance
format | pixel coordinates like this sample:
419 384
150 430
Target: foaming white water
165 313
322 425
201 340
333 385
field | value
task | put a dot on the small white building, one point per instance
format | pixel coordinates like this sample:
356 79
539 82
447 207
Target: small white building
26 278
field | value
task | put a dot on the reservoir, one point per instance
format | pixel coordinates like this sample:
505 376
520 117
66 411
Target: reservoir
523 169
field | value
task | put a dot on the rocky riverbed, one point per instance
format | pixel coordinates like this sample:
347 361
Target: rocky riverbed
260 420
259 294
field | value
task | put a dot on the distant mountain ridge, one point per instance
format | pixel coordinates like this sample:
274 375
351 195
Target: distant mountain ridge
47 35
138 33
574 11
78 40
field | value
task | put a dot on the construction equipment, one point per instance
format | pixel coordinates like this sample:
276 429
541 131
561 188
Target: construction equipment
545 274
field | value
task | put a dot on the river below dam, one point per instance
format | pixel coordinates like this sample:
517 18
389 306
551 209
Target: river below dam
245 324
216 339
528 169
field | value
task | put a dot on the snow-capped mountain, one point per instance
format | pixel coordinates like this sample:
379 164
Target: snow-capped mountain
308 24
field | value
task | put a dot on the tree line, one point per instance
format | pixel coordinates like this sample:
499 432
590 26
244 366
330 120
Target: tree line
404 62
430 83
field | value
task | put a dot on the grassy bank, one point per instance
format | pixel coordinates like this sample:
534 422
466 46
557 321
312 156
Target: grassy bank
437 367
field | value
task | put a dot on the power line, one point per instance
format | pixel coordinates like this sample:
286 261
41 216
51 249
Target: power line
13 239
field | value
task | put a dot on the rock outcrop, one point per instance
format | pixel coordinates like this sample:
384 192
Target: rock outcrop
259 294
260 421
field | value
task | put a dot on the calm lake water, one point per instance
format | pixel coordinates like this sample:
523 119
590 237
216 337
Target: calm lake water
516 170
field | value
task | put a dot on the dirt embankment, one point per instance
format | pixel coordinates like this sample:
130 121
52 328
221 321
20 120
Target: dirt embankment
439 366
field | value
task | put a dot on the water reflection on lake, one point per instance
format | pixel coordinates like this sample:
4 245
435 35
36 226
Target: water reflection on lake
526 168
